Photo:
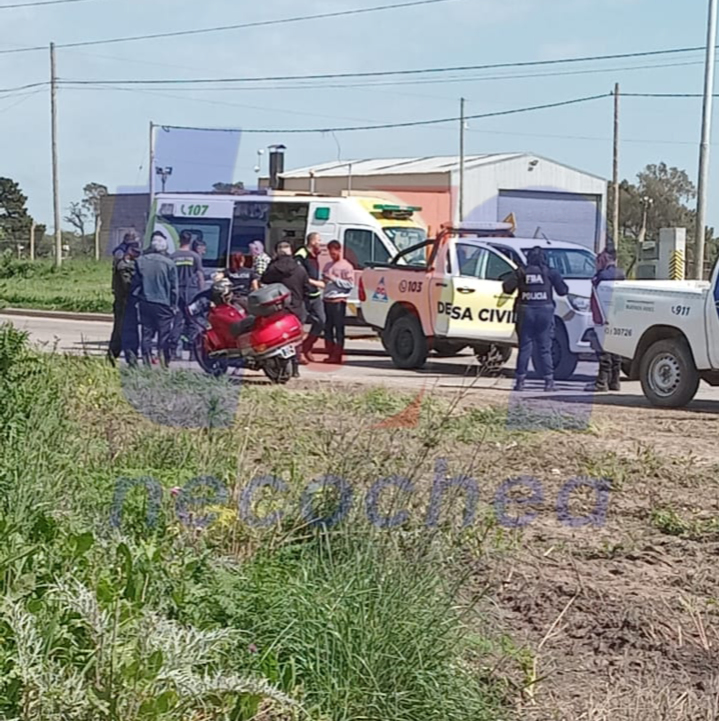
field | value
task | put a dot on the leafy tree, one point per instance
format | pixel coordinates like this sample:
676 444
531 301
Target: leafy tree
669 190
94 192
667 195
15 222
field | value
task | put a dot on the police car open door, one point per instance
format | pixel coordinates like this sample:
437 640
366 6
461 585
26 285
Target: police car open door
473 305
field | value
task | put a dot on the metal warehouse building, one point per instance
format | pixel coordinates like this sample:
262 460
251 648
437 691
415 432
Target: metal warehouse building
546 197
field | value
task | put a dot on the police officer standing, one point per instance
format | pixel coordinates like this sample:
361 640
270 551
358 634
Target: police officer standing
308 256
535 313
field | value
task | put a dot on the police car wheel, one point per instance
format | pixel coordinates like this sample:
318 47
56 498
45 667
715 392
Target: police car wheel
668 375
407 343
565 362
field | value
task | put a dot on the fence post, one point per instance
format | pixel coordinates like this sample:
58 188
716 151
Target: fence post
98 221
32 241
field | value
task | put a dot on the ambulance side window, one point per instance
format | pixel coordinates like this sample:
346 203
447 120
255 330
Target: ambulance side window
362 247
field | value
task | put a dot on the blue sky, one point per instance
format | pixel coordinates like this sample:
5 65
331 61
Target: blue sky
103 134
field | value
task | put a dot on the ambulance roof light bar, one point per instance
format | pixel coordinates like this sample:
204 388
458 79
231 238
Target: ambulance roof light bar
479 228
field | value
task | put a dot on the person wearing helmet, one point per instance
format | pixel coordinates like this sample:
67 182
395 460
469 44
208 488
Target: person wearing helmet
535 284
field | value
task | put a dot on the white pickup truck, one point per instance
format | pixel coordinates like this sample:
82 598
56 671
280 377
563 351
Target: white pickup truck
667 332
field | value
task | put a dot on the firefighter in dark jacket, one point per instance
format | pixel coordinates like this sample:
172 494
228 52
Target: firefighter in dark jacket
535 284
609 364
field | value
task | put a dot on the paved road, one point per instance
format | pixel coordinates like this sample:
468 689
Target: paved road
366 364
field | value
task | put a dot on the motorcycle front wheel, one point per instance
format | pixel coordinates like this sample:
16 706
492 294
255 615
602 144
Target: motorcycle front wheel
278 370
215 367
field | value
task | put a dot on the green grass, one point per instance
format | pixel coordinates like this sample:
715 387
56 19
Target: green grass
78 286
228 621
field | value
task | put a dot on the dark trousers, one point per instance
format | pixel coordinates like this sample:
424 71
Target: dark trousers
610 367
156 319
182 324
535 324
335 325
131 332
316 316
118 312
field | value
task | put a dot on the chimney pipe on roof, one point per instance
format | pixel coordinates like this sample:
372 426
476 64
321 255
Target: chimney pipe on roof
277 166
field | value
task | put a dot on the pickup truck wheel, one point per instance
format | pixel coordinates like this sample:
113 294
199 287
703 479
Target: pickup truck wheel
383 335
407 344
447 349
668 375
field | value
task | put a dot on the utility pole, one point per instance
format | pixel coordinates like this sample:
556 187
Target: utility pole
706 139
461 160
55 185
152 163
615 174
98 223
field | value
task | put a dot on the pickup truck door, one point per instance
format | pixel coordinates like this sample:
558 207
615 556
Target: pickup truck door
473 305
712 320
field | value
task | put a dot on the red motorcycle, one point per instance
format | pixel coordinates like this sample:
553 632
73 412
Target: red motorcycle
264 338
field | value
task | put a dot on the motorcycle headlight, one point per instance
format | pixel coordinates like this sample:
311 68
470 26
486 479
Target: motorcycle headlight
579 302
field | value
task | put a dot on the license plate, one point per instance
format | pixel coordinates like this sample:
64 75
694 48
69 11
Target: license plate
288 351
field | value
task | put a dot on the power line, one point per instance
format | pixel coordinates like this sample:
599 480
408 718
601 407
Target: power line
666 95
239 26
409 124
389 83
37 3
388 73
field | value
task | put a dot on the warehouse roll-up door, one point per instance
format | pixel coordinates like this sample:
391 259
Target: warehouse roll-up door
568 217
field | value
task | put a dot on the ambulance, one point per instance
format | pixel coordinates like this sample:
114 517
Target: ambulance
370 229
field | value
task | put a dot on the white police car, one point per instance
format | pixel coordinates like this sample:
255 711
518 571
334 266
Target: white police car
573 317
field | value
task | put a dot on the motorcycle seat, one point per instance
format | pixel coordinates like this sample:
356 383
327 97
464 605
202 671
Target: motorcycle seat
242 326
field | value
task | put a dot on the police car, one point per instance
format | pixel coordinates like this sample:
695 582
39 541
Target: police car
573 317
446 294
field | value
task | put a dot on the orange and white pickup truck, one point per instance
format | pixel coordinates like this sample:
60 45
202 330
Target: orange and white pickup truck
443 295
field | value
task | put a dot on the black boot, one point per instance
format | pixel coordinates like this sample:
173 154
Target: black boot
295 368
549 386
519 383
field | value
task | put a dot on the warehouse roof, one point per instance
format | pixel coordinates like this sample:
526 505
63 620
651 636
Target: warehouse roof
399 166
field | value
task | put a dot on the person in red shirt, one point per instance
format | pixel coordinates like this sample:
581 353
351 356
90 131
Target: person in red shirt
338 276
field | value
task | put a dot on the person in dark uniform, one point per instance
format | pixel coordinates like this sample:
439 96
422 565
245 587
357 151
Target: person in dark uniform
609 364
190 282
286 270
130 335
155 286
308 257
244 280
535 313
120 291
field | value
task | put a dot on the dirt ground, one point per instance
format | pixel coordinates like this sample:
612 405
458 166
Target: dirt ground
620 622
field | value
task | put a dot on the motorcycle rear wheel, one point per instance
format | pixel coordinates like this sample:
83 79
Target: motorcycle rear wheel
278 370
215 367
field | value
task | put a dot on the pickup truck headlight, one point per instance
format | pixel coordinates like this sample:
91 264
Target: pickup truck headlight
579 302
